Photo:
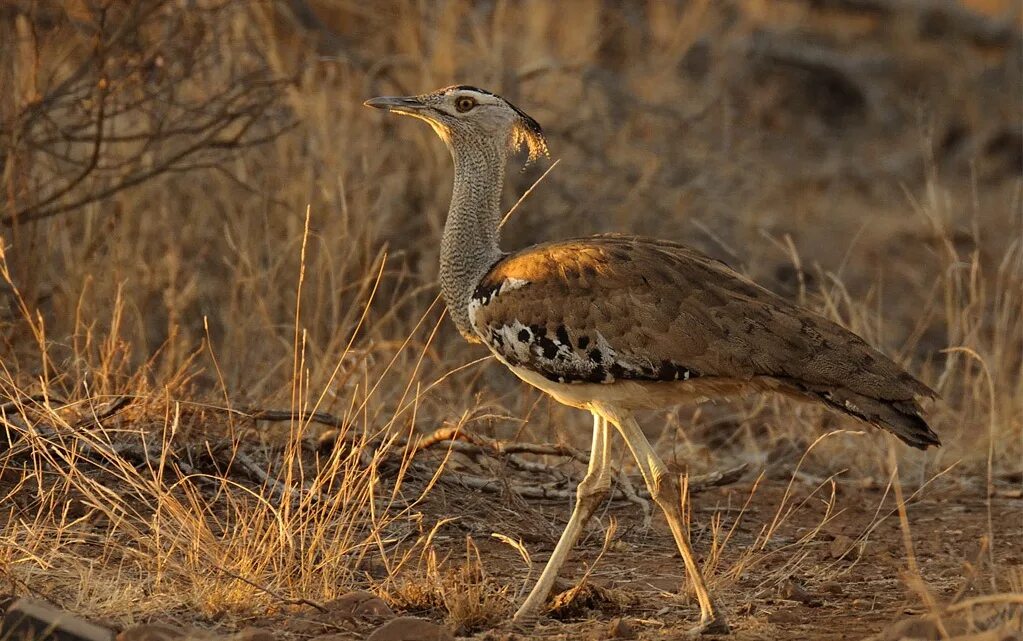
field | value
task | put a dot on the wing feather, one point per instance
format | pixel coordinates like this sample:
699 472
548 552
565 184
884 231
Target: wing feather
613 307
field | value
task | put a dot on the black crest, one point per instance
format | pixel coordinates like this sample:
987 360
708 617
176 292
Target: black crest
527 130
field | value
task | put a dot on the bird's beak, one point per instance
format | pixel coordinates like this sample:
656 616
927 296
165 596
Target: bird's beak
403 105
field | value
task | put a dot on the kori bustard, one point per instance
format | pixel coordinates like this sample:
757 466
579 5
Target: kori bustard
614 323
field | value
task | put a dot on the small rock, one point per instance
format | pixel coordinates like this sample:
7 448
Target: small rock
36 620
151 632
411 629
362 603
793 590
375 608
358 604
840 546
832 587
621 629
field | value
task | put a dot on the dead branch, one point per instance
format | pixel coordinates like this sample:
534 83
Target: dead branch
476 445
278 416
630 494
34 399
559 490
151 96
456 439
261 476
500 448
143 454
556 490
112 408
99 453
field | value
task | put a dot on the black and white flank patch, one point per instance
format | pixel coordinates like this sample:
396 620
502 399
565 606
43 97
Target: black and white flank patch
564 354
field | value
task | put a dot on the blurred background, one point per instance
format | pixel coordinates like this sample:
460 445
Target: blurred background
200 221
196 204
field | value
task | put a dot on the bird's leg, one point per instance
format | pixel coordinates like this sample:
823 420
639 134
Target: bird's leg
665 491
590 493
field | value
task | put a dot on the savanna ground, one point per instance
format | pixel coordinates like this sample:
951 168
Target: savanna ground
202 223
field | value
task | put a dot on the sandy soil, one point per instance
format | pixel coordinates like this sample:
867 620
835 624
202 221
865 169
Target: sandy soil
825 574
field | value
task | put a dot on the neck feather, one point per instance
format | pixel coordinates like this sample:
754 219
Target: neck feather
471 242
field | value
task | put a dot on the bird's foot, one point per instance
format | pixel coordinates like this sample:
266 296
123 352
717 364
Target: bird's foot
524 622
717 625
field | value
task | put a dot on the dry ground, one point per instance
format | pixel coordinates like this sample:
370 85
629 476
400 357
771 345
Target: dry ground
819 577
813 558
200 222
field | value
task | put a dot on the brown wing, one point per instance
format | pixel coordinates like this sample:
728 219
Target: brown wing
609 308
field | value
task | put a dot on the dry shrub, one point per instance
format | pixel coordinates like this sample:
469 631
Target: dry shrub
461 591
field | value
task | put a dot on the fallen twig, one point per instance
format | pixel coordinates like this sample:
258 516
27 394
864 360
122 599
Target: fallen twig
499 448
112 408
629 492
277 416
456 439
36 399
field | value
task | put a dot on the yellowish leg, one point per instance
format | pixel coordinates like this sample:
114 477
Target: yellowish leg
665 491
590 493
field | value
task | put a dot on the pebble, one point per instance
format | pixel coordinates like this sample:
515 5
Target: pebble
840 546
358 604
621 629
32 619
793 590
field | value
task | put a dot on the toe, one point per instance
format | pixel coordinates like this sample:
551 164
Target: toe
717 625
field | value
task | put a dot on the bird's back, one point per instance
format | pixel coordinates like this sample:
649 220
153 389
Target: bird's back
610 309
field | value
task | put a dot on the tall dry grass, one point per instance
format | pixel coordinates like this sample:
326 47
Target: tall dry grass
301 273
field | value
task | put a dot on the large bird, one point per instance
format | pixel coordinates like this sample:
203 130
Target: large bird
615 323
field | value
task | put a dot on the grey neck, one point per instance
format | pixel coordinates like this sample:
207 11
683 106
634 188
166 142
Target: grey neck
471 242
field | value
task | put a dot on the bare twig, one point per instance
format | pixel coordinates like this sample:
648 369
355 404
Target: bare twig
629 492
112 408
278 416
126 114
554 491
257 473
34 399
500 448
456 439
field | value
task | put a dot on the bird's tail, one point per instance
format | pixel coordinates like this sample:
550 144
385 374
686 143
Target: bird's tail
904 419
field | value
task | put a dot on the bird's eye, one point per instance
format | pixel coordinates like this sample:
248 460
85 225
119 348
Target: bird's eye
464 104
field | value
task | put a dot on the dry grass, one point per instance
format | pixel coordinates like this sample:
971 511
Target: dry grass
300 273
461 590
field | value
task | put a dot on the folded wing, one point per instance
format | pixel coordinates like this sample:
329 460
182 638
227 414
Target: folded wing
610 308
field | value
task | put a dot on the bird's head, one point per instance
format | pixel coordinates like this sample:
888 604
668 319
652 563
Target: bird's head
467 116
